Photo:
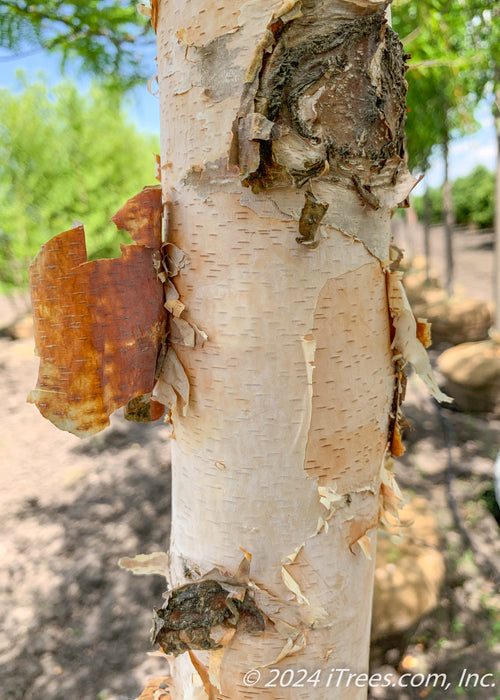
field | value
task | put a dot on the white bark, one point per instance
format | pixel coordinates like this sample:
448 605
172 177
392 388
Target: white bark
281 448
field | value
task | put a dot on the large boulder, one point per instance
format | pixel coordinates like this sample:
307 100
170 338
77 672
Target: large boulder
454 320
472 376
19 329
418 286
409 572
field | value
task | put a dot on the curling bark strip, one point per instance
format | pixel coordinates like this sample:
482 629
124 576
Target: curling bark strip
97 346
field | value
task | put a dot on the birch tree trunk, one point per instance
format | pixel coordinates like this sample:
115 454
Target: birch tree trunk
282 129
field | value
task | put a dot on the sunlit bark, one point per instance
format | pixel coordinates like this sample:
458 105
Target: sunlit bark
282 155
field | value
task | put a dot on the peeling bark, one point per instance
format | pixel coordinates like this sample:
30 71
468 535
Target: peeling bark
98 347
310 218
334 102
102 328
282 155
193 613
157 689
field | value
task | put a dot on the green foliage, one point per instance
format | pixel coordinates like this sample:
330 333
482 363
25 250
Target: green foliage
473 200
107 36
64 156
440 89
435 195
482 19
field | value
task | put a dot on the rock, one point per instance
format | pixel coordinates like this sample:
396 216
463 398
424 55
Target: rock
456 321
409 572
419 288
472 376
19 329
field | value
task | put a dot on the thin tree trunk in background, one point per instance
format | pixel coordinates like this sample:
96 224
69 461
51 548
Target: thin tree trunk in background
281 449
497 215
427 239
448 220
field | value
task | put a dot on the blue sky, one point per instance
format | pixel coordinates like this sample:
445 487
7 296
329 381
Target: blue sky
142 108
466 152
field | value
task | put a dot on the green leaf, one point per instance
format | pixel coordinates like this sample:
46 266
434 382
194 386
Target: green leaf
107 37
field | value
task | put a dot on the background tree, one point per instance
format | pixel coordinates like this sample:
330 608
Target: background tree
64 155
484 45
107 38
440 105
473 200
439 94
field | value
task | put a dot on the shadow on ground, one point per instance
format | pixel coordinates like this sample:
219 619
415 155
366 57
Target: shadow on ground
80 627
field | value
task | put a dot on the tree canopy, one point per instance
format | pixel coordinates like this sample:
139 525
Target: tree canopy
441 97
65 155
483 45
473 198
454 44
108 37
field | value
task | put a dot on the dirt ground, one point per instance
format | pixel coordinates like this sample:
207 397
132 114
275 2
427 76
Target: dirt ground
76 626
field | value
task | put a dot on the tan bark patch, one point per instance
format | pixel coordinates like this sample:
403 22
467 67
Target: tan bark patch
358 528
157 689
397 447
351 349
202 671
141 217
424 332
